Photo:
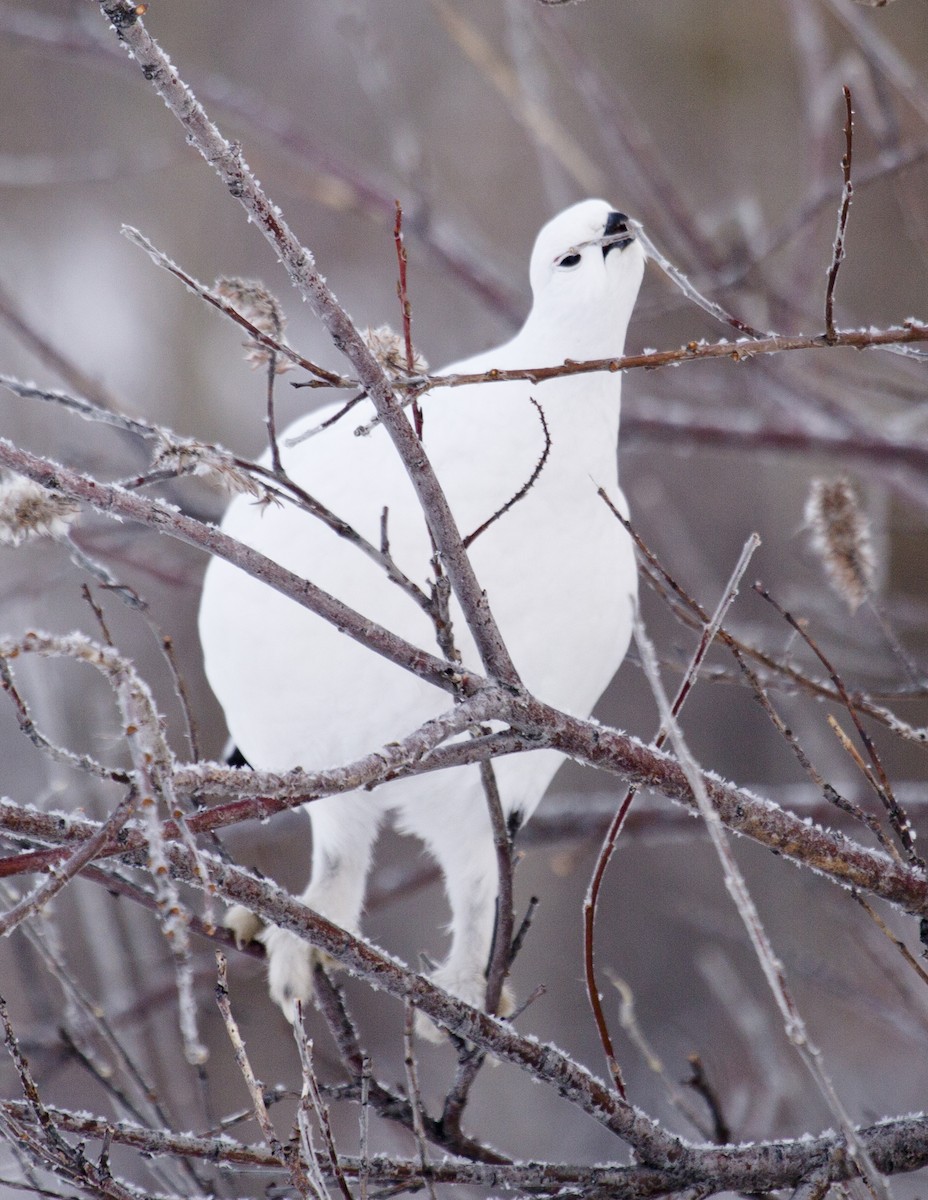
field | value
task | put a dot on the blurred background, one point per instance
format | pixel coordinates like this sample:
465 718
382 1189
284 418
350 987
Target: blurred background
721 128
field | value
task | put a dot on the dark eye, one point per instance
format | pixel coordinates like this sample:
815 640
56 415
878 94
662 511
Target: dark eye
569 260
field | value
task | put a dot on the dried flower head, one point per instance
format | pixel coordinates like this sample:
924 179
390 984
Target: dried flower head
28 510
260 308
183 456
840 534
389 349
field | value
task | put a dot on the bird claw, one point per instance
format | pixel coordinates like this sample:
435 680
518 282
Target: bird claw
469 988
243 924
291 966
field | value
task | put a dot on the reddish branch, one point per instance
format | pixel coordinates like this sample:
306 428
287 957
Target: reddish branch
738 351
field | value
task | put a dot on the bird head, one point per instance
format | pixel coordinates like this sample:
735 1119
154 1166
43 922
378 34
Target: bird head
586 269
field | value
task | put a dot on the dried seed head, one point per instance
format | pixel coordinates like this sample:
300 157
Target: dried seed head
28 510
183 456
389 349
840 535
257 305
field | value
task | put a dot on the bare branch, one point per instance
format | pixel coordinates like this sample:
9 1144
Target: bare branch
227 160
897 1146
773 970
273 343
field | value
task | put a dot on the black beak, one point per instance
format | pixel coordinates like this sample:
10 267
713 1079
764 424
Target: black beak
617 228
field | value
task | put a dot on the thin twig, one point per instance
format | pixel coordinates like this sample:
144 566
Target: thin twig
402 292
525 488
700 1084
275 345
63 873
741 652
846 195
166 644
54 1151
311 1098
888 933
364 1121
287 1156
709 632
855 756
773 969
415 1094
691 613
271 417
676 276
501 951
385 1102
628 1020
898 819
471 1058
81 762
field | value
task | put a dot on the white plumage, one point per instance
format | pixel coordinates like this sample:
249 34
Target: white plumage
557 567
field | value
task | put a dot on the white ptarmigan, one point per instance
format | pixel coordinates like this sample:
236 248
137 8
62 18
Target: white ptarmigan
557 567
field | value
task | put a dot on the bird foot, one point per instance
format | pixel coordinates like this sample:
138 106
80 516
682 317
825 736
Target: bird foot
291 962
472 989
243 924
